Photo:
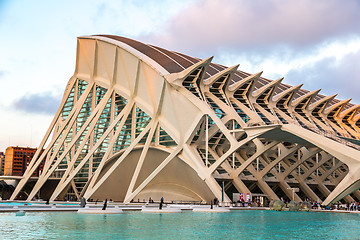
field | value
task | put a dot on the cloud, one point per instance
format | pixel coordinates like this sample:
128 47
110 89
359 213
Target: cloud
296 39
333 75
40 103
206 27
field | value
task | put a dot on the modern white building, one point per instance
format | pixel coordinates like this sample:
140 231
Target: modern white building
138 121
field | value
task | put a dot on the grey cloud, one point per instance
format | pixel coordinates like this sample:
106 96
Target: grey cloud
332 76
206 27
42 103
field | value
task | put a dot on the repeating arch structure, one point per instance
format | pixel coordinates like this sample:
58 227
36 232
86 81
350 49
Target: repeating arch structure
138 121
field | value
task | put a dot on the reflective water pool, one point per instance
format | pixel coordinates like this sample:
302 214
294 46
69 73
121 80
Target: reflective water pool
14 203
248 224
36 203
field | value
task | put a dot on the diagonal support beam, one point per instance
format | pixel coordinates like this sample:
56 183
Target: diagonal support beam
93 117
234 148
141 159
248 161
36 162
117 163
305 157
157 170
280 158
124 113
68 176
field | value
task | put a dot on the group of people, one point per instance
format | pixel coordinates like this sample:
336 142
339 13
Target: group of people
249 203
316 205
152 201
353 206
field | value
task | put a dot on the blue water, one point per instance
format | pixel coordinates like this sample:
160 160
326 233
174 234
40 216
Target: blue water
14 203
23 203
249 224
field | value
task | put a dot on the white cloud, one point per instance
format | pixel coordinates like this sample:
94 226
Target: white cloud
246 25
333 75
280 61
305 41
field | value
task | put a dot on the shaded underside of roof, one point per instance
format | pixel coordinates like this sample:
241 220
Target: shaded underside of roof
176 62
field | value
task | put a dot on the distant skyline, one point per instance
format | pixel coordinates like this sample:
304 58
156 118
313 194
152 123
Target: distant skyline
312 42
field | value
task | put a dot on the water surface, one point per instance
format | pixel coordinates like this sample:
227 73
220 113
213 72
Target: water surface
250 224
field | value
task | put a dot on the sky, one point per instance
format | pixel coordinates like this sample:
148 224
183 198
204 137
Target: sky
312 42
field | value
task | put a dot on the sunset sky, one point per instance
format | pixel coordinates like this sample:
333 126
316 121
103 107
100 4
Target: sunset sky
312 42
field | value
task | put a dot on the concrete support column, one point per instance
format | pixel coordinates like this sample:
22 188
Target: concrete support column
216 189
308 191
357 194
239 185
323 189
267 190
